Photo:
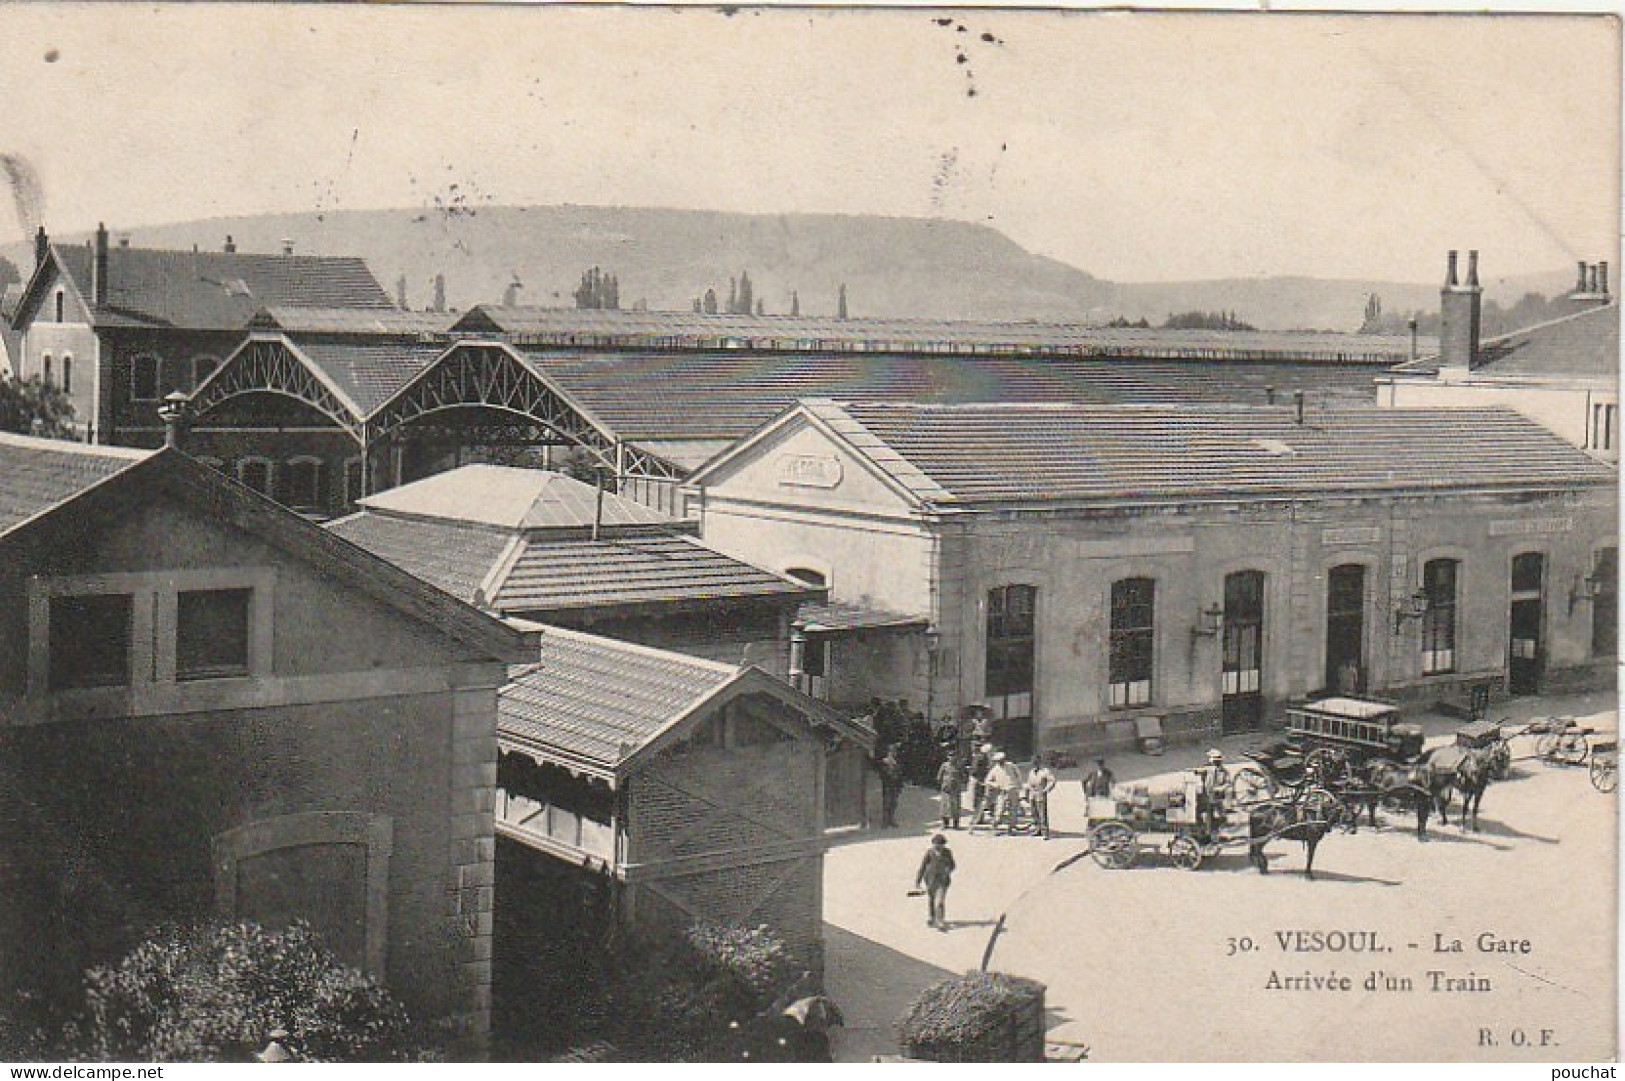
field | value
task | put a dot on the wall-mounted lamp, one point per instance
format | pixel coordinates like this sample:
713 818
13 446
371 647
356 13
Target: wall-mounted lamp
1208 621
798 656
933 638
1413 607
1584 590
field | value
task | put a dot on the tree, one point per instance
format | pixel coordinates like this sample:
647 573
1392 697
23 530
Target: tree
214 993
795 302
34 407
761 309
746 302
709 305
840 312
733 296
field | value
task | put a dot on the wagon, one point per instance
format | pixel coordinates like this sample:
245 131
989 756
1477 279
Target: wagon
1331 743
1123 825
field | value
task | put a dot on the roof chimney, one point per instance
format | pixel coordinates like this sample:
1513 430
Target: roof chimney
98 269
1297 401
1269 395
1591 290
1580 285
173 413
1460 315
439 293
1602 279
287 245
231 245
42 246
124 240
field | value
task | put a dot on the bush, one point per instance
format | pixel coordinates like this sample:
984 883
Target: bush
977 1017
214 993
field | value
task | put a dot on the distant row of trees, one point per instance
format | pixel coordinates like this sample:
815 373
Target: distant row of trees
1494 320
742 299
1187 321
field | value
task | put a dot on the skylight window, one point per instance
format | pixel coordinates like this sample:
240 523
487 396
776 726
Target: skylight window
1273 446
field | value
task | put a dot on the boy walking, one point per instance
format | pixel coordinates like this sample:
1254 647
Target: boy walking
935 875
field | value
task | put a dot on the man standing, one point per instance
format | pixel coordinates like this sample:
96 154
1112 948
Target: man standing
891 787
951 783
1004 785
935 875
1040 782
981 760
1099 783
1215 789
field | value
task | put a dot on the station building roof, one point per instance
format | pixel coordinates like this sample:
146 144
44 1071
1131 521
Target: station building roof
1582 345
965 456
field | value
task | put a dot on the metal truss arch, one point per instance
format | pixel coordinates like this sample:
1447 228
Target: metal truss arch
271 367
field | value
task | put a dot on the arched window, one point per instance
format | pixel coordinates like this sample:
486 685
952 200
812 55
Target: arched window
144 378
256 474
352 481
47 369
59 305
301 484
67 373
1011 641
1132 652
1439 578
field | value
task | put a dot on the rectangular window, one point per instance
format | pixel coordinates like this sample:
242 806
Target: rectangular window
1010 650
211 633
1132 649
90 641
1439 621
67 375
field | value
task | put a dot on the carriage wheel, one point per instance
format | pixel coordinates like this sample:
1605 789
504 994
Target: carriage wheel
1113 845
1572 748
1185 852
1604 774
1330 765
1252 786
1321 805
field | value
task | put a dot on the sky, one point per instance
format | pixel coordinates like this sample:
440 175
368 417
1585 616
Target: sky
1139 147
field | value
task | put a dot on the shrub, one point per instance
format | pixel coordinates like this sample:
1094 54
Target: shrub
214 993
977 1017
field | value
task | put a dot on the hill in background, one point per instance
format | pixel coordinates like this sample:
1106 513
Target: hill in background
896 267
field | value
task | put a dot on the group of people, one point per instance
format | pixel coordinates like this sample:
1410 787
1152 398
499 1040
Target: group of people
998 792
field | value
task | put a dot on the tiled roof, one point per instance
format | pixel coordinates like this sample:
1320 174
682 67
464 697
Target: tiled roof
974 454
835 617
724 395
453 556
628 572
217 290
38 474
598 700
1582 345
365 321
369 371
514 498
695 330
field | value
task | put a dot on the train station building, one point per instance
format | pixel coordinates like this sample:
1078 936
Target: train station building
1081 569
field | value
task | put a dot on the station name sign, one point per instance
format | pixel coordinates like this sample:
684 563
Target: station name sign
809 470
1530 527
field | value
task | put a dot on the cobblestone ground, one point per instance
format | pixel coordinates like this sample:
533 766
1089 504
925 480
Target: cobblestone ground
1136 963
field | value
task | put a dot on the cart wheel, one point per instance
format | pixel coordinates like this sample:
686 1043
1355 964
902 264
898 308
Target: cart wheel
1113 845
1573 748
1252 785
1185 852
1604 774
1323 805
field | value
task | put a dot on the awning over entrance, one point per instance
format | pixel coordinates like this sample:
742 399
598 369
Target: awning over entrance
840 617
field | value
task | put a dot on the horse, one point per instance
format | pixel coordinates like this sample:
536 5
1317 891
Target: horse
1419 784
1468 770
1293 820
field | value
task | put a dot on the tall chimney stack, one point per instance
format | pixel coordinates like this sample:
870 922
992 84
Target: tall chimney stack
1580 286
1297 401
1460 315
1602 280
98 271
231 245
1592 289
42 246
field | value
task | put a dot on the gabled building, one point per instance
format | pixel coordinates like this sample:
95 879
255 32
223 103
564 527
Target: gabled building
210 707
119 327
1085 567
1563 373
543 546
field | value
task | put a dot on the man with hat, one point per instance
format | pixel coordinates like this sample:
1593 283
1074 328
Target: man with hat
1005 784
1215 788
934 876
981 760
1099 783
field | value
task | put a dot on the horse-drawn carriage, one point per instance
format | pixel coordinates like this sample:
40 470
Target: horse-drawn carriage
1330 743
1605 765
1180 819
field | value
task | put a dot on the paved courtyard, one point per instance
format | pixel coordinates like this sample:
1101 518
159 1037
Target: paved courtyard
1138 962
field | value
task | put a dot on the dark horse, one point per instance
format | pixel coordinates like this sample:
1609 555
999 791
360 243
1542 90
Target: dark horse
1426 784
1292 820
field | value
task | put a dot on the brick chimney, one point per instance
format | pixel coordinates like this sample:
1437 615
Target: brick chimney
1591 290
231 245
98 268
42 246
1460 313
